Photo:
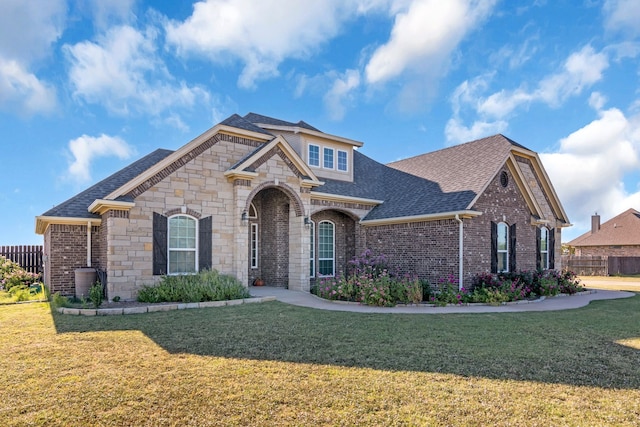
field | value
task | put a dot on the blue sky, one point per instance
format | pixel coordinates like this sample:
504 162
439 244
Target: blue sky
88 86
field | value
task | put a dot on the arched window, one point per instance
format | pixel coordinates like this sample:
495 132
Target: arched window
182 244
503 247
544 248
326 248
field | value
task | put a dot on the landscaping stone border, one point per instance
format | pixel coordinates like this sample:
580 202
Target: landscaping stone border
158 307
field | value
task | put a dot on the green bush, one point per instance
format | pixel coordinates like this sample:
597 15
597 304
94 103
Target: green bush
207 285
96 294
12 275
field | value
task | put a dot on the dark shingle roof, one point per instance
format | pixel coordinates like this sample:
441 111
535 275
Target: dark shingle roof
464 167
623 229
402 194
242 123
258 118
76 207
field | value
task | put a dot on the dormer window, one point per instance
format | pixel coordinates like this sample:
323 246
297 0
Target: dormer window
342 161
314 155
328 158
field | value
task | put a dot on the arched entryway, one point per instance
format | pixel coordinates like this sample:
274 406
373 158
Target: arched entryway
332 243
271 211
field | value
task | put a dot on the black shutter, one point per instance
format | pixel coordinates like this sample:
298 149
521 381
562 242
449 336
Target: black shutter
538 244
552 249
159 244
494 247
512 247
204 243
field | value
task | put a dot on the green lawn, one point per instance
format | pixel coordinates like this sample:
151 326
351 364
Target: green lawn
274 364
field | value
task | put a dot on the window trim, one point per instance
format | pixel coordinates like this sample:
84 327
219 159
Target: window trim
254 245
309 155
333 249
346 161
505 251
544 254
324 158
312 249
195 249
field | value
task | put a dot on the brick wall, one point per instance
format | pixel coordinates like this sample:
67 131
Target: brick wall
499 204
618 250
427 249
273 218
345 238
66 250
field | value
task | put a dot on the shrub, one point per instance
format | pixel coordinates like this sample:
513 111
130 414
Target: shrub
207 285
96 294
11 275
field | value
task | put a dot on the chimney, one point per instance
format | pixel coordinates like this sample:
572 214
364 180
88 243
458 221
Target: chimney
595 223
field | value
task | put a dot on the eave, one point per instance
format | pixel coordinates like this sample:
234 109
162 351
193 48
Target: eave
304 131
344 199
464 214
43 222
100 206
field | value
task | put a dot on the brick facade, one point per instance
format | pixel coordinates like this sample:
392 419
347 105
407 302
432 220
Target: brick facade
345 238
611 250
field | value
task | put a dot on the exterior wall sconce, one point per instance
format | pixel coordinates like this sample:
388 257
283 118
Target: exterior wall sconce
307 222
244 218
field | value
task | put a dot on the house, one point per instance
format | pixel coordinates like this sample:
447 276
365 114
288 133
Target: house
260 197
620 237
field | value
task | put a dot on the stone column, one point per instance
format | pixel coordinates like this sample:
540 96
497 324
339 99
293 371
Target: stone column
241 190
298 253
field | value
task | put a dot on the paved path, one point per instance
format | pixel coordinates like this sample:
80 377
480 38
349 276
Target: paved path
305 299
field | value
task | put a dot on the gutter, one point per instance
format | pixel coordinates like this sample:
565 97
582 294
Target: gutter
461 252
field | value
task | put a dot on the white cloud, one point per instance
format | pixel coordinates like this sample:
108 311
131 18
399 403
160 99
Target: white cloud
23 91
259 34
123 72
107 12
87 148
341 93
580 71
456 132
622 15
589 169
27 30
424 36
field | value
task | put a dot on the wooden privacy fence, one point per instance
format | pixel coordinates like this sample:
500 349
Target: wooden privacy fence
602 265
28 257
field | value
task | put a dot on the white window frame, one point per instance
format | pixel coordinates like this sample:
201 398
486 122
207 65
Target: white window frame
503 252
325 157
319 155
544 248
333 249
195 249
254 245
346 161
253 212
312 249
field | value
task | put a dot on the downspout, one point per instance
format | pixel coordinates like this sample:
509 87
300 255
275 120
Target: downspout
461 252
88 243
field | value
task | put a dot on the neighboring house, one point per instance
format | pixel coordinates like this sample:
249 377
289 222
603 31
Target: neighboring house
620 237
259 197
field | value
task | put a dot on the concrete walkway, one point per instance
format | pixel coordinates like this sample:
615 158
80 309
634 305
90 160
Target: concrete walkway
562 302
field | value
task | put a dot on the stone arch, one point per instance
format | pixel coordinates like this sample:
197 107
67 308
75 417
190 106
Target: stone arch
298 206
179 211
347 212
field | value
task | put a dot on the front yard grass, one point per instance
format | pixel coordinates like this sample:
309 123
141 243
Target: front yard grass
275 364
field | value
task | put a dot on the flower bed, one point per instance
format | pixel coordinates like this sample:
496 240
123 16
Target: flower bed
371 282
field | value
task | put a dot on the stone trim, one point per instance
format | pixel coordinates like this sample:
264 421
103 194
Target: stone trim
344 205
277 151
242 183
117 213
295 199
187 157
178 211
